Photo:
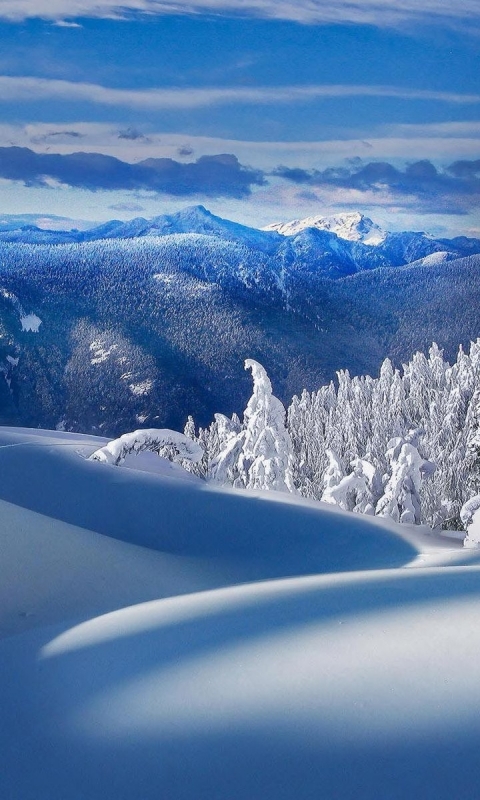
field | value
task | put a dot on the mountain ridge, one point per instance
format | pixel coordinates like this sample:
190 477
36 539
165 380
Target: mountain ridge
333 246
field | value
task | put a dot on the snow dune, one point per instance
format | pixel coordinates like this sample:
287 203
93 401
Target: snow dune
162 639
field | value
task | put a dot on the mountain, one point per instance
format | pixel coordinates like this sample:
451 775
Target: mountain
335 246
145 322
51 222
353 227
103 336
195 219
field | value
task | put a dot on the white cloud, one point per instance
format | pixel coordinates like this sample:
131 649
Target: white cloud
381 13
18 88
435 129
62 23
443 143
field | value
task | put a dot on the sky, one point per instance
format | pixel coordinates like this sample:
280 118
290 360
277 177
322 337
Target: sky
261 110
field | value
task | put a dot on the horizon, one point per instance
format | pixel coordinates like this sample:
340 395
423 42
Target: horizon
57 223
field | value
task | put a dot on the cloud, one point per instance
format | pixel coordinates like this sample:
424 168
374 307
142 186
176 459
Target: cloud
214 176
185 150
442 143
434 129
26 88
465 170
129 207
452 190
387 13
131 134
62 23
46 137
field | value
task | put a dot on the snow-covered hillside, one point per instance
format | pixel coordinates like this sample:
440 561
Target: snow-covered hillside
154 323
165 639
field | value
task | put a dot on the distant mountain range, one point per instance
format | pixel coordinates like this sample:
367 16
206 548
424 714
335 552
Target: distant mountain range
143 322
337 246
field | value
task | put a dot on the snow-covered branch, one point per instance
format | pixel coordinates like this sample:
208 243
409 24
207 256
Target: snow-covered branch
155 440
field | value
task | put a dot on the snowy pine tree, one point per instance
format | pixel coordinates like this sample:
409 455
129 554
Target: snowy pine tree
470 516
257 454
401 499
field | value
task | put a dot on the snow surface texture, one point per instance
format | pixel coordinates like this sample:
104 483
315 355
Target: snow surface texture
161 638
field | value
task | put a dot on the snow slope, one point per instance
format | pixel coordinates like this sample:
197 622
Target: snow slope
163 639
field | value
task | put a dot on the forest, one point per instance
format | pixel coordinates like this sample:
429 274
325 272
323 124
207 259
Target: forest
405 445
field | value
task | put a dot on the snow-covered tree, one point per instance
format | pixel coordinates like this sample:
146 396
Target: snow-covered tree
265 460
401 499
258 453
470 516
230 439
352 492
363 414
472 445
357 419
161 441
333 477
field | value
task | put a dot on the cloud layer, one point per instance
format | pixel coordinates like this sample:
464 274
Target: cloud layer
16 89
420 185
211 176
442 143
381 13
453 190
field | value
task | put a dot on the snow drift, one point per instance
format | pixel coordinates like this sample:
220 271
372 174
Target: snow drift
162 638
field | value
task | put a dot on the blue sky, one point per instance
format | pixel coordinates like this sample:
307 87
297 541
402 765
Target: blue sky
260 110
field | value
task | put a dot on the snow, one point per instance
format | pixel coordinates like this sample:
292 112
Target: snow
259 455
142 388
472 540
30 322
149 439
470 516
434 259
163 277
100 353
160 637
353 227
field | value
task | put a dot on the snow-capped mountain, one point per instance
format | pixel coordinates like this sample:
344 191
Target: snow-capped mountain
337 246
333 247
354 227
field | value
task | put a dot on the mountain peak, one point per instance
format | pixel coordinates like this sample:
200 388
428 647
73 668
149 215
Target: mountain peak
353 226
193 212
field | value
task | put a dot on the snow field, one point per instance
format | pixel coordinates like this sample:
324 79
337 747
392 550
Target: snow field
164 639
